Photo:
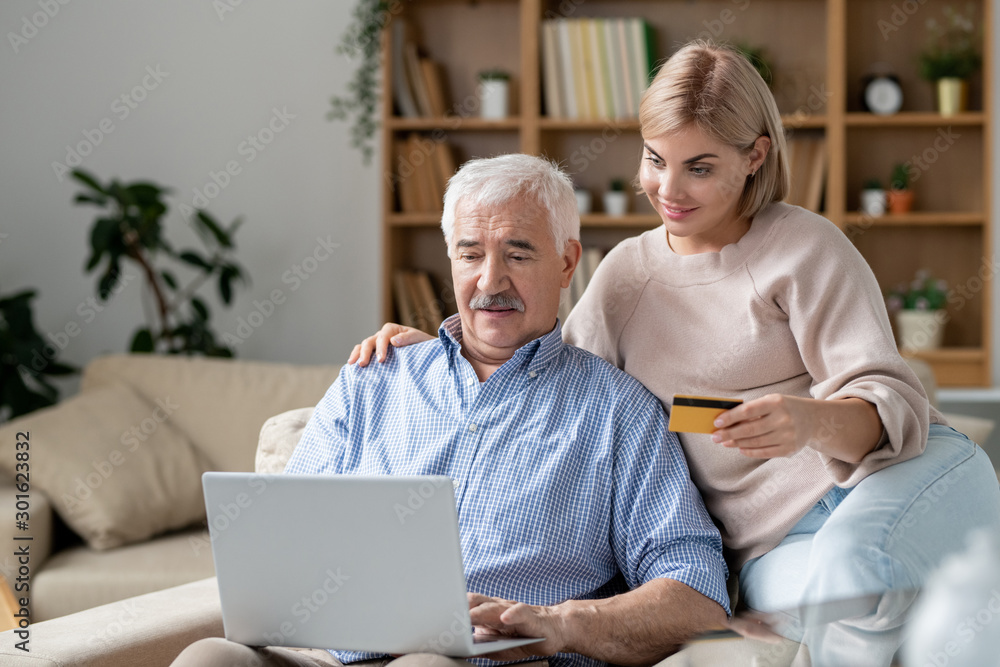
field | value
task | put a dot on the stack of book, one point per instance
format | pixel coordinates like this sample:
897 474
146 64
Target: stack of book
807 167
423 168
416 301
596 68
417 81
589 260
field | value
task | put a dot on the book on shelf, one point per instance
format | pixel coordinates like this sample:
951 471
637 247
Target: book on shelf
402 91
615 68
585 269
433 81
566 70
625 70
581 67
595 68
807 171
416 301
551 78
413 71
642 43
417 81
423 168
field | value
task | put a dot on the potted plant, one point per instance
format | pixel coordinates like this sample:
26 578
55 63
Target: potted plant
951 57
129 228
900 196
873 198
919 310
494 93
615 198
25 360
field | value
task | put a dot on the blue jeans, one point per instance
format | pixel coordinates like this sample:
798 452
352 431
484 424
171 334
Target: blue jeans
885 534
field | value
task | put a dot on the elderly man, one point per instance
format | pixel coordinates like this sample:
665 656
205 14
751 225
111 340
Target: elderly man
578 519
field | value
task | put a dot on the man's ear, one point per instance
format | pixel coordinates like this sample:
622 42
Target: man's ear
571 258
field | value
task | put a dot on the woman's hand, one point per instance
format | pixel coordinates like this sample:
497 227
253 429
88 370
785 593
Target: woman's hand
391 333
768 427
777 425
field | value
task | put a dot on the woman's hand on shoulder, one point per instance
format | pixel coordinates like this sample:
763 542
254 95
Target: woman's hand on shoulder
390 334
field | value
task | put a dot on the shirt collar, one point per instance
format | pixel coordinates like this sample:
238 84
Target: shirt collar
533 355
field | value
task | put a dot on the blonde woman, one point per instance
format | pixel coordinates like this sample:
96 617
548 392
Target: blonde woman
834 478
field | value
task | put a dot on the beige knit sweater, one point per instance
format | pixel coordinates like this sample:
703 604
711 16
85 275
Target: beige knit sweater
791 308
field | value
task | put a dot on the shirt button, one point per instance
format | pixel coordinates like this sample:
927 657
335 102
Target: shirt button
472 427
454 483
532 374
470 381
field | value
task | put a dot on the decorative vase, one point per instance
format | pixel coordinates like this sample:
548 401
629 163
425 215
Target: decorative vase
493 98
873 202
900 201
952 95
582 201
920 329
615 202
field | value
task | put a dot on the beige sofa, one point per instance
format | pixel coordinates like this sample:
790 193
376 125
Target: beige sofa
152 629
121 464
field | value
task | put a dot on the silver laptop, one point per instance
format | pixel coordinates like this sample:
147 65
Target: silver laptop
342 562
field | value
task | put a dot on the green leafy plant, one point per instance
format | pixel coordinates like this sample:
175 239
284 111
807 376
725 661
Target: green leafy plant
616 185
952 48
130 228
757 58
495 74
923 293
900 178
872 184
361 42
25 360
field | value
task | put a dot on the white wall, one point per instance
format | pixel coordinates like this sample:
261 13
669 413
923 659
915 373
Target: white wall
224 75
221 78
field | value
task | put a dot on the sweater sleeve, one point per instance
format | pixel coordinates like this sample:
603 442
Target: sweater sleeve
838 318
597 320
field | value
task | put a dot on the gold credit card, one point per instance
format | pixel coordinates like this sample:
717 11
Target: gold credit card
695 414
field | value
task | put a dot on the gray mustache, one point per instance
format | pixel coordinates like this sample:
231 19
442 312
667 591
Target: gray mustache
482 301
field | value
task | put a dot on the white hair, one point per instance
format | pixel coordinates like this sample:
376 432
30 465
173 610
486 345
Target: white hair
498 181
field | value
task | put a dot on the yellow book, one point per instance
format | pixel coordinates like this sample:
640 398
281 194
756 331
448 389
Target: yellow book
589 67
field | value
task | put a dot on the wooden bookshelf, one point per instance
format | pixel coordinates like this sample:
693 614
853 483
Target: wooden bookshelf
821 51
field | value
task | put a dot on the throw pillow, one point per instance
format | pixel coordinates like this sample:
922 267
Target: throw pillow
111 463
278 437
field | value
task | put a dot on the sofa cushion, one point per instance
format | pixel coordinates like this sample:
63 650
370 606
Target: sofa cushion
278 438
112 464
79 578
232 398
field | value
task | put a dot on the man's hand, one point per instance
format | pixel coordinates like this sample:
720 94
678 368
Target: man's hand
395 334
640 627
495 616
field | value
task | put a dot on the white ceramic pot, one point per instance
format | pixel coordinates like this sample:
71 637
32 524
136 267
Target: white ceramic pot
582 201
873 202
493 98
615 202
920 329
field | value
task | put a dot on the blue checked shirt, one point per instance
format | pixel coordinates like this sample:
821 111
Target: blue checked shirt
567 482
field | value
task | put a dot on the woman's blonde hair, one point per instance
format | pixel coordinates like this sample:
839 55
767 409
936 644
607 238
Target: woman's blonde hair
717 89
